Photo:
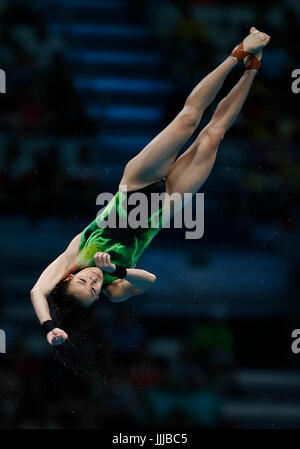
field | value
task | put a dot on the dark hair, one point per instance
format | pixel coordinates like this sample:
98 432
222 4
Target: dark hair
65 307
84 351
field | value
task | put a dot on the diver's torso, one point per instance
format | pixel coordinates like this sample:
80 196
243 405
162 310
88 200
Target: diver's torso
124 243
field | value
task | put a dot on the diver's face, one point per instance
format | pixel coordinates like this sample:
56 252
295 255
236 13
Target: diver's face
86 285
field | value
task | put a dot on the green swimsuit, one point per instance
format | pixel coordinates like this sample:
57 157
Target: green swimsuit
125 245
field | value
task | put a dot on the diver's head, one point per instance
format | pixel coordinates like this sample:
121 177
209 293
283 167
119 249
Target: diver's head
85 285
76 293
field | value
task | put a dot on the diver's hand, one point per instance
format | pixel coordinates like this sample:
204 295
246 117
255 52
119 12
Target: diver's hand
57 337
102 261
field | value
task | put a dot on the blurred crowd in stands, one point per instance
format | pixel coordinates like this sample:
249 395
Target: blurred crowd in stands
178 379
40 96
195 40
41 99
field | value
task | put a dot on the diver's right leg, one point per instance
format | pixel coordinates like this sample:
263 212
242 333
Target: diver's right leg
156 159
192 168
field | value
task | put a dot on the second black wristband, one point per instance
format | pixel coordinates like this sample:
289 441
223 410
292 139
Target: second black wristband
48 326
120 272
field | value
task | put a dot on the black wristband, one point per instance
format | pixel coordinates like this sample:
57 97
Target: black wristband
120 272
48 326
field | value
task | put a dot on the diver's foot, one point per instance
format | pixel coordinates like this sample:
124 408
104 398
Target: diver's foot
252 44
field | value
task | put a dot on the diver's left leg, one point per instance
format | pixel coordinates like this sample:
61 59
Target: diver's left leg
156 159
192 168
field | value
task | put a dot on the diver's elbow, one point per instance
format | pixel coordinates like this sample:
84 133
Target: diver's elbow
152 278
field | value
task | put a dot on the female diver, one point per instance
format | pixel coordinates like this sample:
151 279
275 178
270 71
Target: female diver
104 259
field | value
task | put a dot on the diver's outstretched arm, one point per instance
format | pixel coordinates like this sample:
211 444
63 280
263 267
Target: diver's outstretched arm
65 264
41 308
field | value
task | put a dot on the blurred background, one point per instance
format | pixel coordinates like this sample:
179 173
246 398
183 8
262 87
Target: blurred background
89 84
